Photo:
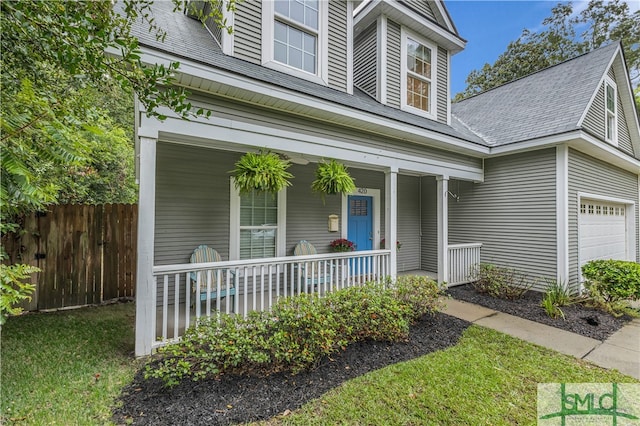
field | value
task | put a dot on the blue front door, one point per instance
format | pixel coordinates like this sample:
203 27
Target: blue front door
360 221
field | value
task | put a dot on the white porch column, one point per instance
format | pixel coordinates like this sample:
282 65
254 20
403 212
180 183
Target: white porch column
562 214
391 218
145 303
443 228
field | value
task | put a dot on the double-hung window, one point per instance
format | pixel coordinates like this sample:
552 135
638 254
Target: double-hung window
257 224
293 37
611 120
418 75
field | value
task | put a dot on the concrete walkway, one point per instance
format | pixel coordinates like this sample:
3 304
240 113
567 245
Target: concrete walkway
621 351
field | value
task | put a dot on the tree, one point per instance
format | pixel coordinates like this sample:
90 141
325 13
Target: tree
54 61
560 41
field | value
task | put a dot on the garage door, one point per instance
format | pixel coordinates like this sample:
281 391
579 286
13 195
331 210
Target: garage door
603 233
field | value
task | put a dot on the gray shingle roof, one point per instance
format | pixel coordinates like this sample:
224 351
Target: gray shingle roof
545 103
189 39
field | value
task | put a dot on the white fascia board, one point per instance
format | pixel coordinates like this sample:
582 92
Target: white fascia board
578 140
283 94
370 9
350 47
445 15
246 135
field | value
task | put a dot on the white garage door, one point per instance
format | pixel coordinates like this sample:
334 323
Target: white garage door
603 233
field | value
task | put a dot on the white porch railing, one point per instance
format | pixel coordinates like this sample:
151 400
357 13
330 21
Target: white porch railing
184 293
463 259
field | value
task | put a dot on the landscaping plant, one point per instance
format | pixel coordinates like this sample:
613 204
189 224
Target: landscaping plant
333 177
555 296
611 284
263 171
297 333
498 281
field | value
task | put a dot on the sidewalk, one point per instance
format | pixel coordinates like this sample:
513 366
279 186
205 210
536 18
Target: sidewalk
621 351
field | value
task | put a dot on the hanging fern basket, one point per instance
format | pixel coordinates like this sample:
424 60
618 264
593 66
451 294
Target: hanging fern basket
263 171
333 178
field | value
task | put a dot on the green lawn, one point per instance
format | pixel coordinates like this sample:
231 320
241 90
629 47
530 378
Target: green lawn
50 363
66 368
488 378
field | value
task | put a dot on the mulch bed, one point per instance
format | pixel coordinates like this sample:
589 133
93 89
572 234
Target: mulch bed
578 318
240 399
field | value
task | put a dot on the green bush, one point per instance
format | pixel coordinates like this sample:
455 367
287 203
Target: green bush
498 281
614 280
296 333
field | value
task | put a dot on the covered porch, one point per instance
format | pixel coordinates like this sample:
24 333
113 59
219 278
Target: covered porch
187 199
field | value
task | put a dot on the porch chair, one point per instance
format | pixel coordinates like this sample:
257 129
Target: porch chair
205 254
312 273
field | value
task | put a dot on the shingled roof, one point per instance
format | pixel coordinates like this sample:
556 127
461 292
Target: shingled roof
187 38
545 103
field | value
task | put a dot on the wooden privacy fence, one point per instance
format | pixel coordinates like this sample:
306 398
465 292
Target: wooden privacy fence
86 253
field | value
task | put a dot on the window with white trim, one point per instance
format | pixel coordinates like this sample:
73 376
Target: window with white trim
258 224
419 60
294 39
610 106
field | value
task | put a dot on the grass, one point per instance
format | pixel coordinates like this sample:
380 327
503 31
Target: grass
50 362
488 378
66 368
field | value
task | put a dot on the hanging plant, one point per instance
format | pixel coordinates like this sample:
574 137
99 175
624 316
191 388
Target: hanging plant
263 171
333 178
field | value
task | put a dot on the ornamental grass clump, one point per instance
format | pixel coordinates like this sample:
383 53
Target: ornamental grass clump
296 334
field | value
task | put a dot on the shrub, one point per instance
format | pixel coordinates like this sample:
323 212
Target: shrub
421 294
296 333
498 281
614 280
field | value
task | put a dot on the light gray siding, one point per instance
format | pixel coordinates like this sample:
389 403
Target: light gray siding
443 85
409 223
338 45
365 61
247 31
590 175
192 201
594 119
624 137
224 108
512 213
429 225
307 214
210 23
393 64
422 6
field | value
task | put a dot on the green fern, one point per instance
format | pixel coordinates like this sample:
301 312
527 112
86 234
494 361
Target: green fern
263 171
333 178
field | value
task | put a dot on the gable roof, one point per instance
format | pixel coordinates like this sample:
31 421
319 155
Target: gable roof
549 102
187 38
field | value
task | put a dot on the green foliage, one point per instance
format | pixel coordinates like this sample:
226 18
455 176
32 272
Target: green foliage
333 178
13 289
296 333
555 296
561 39
497 281
263 171
614 279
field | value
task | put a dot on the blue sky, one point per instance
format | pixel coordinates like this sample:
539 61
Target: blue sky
489 26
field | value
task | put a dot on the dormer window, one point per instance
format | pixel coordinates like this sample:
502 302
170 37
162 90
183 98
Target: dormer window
418 75
294 40
611 120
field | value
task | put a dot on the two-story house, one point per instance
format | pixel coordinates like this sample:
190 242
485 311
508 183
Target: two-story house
541 174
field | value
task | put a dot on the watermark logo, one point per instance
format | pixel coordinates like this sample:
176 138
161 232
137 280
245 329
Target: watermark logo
569 404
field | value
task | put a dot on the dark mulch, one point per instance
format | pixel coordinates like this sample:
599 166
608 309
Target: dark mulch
234 399
578 318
